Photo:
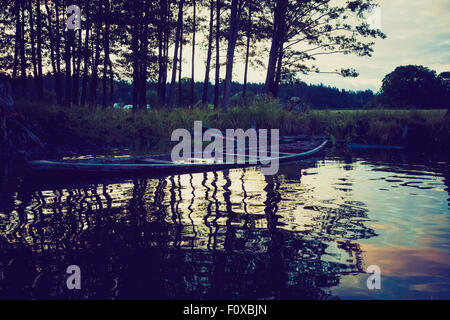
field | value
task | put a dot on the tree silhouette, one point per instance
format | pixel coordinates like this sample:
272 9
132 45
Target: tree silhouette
412 87
141 41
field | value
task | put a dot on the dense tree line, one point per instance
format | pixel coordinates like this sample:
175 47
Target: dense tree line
314 96
143 41
414 86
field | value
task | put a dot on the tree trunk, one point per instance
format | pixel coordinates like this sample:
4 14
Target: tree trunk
40 85
194 26
106 58
208 57
144 54
17 39
23 68
33 43
161 24
247 50
278 72
166 61
175 53
111 84
135 30
86 59
180 88
76 72
94 76
235 18
67 55
58 55
217 78
52 48
277 40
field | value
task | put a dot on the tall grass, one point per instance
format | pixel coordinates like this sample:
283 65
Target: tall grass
145 129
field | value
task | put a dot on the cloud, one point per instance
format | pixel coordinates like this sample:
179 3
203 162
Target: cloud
418 32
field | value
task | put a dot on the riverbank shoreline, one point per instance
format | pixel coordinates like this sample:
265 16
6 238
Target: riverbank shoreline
76 130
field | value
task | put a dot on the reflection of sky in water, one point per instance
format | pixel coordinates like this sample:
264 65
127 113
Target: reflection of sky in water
318 224
406 208
409 211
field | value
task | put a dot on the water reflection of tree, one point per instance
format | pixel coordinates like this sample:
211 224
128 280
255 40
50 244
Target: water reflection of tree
135 240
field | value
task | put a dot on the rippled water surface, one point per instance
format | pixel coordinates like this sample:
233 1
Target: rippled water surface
309 232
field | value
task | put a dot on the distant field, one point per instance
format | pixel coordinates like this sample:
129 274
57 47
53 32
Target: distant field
393 112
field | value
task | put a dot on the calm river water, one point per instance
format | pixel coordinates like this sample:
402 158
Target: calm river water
309 232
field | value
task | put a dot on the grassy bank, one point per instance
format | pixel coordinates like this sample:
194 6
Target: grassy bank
113 128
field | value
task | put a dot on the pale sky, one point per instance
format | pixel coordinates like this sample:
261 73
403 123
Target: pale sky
418 32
